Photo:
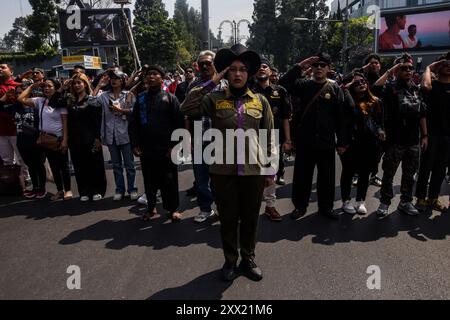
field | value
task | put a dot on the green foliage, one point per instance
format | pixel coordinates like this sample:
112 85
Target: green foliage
42 24
155 35
360 41
274 32
15 38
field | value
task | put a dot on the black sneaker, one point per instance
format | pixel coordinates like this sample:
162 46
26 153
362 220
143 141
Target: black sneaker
250 270
332 214
229 272
297 214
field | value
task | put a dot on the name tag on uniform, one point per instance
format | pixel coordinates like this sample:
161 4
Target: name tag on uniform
224 105
253 104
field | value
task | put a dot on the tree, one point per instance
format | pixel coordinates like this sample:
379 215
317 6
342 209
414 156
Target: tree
43 25
15 38
297 40
155 35
360 41
263 37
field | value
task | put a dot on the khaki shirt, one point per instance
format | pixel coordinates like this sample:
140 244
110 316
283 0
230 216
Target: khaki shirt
251 111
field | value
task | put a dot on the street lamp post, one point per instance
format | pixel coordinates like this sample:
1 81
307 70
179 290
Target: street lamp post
345 46
129 31
235 29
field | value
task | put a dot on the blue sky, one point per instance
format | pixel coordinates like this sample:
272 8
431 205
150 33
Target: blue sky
218 11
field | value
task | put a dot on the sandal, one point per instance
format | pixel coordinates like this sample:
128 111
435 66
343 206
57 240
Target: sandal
57 196
68 195
149 215
176 216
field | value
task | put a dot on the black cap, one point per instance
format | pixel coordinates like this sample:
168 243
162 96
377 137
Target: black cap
156 67
116 74
266 61
36 69
225 57
324 57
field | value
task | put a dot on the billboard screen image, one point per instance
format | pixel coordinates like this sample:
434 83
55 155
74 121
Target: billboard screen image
414 31
98 28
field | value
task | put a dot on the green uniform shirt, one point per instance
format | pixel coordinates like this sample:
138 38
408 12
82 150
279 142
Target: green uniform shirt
251 111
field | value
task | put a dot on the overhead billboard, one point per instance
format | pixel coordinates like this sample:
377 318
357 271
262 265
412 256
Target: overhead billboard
416 30
93 28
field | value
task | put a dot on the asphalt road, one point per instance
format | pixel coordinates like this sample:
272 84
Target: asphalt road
121 257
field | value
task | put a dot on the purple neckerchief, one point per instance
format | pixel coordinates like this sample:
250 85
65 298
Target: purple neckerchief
240 125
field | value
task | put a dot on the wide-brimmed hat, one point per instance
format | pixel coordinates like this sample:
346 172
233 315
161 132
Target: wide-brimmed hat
225 57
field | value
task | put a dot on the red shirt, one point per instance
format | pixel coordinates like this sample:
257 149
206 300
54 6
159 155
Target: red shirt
7 124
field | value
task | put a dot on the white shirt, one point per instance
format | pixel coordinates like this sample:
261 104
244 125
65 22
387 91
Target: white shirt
411 43
50 120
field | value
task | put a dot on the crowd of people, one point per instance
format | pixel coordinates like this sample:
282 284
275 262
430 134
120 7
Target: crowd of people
367 117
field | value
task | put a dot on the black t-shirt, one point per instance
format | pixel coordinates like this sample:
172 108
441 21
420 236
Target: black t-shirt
83 122
404 107
325 119
438 107
279 102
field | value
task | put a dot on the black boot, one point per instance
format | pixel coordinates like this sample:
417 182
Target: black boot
250 270
229 271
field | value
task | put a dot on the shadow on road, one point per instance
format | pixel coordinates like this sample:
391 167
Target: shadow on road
158 234
205 287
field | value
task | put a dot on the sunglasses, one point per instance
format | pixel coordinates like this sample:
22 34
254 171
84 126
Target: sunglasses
359 83
205 63
320 64
407 68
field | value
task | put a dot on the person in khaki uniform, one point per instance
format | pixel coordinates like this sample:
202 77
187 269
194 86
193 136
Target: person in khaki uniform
238 185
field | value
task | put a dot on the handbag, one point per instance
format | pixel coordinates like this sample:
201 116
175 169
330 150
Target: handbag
48 142
45 140
10 180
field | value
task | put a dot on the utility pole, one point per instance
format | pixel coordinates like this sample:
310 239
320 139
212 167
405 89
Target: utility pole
205 24
345 45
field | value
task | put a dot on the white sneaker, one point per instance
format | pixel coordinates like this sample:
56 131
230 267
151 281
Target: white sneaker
28 185
347 207
97 197
134 196
142 199
361 207
118 197
202 216
84 199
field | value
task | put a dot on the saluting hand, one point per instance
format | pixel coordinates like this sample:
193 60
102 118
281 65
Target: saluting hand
219 76
305 64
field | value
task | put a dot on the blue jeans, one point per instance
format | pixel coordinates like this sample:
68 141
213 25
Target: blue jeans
202 182
117 154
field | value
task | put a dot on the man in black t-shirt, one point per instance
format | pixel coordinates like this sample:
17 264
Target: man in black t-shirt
435 160
405 114
319 118
281 109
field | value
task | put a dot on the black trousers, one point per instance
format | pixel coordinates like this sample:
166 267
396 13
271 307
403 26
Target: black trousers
160 172
238 198
89 169
59 164
360 159
434 162
34 158
305 162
